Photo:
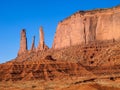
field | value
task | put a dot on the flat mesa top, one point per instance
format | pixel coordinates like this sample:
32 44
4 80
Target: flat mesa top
95 12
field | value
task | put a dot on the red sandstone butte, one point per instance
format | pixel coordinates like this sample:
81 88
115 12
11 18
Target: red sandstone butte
88 26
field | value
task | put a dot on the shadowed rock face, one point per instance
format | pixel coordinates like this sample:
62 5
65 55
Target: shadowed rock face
33 44
89 26
42 45
23 43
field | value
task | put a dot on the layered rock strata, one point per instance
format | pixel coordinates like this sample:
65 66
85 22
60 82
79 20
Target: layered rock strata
96 60
41 70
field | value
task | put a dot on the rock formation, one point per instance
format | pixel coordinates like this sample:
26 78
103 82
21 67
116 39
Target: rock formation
23 43
88 26
40 71
42 46
100 60
98 56
33 44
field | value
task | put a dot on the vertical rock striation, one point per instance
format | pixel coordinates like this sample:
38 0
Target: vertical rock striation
42 46
33 44
88 26
23 43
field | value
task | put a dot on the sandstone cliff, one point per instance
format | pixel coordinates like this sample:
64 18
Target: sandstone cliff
88 26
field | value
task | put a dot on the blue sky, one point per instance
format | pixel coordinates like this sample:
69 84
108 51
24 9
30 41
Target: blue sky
31 14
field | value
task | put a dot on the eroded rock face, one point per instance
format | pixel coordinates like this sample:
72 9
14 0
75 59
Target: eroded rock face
88 26
95 60
42 46
23 43
41 71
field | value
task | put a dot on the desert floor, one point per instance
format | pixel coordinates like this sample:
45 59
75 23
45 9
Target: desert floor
65 84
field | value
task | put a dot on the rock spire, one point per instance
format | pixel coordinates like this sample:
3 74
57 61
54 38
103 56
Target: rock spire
23 43
42 45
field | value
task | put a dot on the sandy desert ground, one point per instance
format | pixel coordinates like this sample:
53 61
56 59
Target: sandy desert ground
73 84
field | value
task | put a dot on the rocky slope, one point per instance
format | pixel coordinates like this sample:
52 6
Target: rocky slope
41 70
95 60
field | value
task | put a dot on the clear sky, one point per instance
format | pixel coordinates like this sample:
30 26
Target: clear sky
31 14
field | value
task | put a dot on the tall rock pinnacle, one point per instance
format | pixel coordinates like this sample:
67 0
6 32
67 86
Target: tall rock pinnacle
33 44
41 37
23 43
42 45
